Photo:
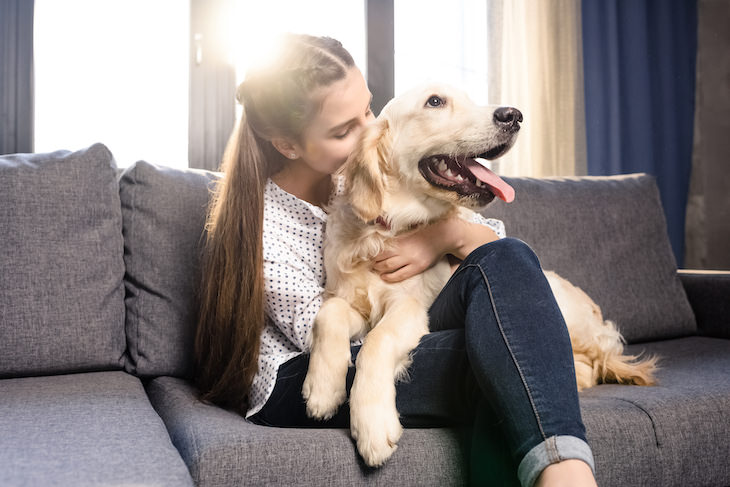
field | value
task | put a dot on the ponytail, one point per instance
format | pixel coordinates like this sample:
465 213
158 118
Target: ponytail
231 315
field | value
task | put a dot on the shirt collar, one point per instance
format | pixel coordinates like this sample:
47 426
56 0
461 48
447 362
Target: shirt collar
281 194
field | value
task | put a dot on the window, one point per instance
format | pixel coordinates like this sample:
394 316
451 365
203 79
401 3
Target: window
114 72
118 71
253 25
441 41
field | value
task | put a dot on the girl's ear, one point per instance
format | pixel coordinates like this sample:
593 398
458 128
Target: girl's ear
285 147
364 170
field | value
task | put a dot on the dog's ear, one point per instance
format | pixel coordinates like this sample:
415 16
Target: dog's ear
365 168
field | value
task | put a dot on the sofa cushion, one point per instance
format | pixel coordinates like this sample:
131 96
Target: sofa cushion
670 434
163 212
622 438
608 236
674 433
84 430
61 267
221 448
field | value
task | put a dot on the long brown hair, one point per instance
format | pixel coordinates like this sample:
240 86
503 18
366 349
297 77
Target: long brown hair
278 101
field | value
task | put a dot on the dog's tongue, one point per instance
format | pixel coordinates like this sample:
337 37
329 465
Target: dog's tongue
501 189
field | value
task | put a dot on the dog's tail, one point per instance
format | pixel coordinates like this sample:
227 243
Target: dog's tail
605 356
615 366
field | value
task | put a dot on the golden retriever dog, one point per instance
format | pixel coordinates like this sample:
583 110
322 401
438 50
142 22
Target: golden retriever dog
421 160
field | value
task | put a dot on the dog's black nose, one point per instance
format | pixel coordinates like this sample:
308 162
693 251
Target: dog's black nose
508 117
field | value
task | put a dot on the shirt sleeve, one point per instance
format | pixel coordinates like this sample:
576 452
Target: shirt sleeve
293 298
493 223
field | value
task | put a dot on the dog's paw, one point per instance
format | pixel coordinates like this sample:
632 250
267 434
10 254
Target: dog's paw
323 397
376 430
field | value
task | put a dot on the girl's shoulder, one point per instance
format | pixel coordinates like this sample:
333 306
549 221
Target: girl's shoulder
280 205
290 224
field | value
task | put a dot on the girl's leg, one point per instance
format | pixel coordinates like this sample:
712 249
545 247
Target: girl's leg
519 351
512 362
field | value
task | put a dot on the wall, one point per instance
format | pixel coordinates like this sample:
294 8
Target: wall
707 237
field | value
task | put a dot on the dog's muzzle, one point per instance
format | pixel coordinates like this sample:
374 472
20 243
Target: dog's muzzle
466 176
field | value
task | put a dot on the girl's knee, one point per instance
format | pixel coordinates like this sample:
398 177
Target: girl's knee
512 250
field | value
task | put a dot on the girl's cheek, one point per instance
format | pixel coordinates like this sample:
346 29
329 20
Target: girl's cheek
340 150
313 150
349 147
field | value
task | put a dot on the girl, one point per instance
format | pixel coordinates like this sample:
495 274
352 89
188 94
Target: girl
499 352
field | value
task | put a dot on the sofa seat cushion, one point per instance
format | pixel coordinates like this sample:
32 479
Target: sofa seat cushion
674 433
221 448
163 212
608 236
61 265
84 429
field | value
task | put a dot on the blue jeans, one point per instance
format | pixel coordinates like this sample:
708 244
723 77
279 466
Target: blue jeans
498 360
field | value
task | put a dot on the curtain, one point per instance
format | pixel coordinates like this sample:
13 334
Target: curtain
639 59
16 76
212 85
707 232
535 65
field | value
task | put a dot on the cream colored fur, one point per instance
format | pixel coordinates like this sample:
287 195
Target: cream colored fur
598 347
383 180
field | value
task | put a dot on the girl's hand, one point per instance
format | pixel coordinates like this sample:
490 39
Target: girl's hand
410 254
414 252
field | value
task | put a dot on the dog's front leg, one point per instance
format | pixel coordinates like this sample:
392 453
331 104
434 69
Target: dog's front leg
385 353
324 387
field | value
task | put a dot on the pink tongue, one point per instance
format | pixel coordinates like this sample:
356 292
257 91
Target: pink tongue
501 189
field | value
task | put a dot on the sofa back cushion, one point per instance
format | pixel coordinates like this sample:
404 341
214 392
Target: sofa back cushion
61 267
607 235
163 213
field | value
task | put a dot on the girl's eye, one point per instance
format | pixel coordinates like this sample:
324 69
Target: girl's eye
343 135
435 102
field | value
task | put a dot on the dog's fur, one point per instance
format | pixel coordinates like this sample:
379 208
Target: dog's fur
386 194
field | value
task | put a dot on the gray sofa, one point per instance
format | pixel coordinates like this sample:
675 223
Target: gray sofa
97 296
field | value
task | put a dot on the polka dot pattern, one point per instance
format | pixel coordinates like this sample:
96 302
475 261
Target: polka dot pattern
294 283
496 225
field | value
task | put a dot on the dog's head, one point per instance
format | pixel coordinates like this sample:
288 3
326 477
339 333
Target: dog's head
430 144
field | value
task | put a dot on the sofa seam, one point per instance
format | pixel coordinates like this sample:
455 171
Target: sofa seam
137 312
648 414
122 359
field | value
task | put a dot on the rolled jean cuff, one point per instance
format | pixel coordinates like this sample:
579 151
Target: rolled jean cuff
553 450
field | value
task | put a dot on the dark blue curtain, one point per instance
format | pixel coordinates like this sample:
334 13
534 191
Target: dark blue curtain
639 59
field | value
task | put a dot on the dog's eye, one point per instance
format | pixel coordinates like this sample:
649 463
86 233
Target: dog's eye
435 102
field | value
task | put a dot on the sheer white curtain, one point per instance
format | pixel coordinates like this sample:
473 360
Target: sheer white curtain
454 51
114 72
536 65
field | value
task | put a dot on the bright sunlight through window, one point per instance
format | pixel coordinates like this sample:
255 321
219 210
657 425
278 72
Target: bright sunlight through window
441 41
115 72
252 26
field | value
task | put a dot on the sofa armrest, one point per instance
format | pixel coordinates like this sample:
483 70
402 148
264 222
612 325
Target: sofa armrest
709 295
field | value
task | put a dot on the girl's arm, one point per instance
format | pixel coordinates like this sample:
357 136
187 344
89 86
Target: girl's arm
420 249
